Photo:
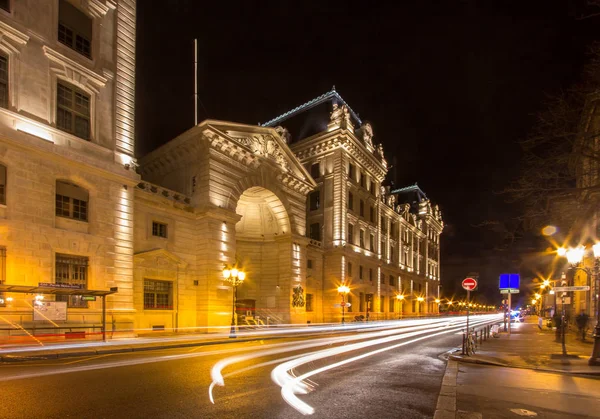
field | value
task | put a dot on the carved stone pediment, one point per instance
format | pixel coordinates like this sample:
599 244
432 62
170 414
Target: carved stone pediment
264 145
159 258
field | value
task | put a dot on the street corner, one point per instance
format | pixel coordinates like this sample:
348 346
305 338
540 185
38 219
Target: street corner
478 359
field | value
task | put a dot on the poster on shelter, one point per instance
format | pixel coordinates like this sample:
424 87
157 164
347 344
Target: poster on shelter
50 310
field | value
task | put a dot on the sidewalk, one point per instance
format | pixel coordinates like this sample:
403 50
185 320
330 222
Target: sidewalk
521 374
529 347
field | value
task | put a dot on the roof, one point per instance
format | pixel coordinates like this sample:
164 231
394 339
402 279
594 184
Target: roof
332 94
411 190
33 289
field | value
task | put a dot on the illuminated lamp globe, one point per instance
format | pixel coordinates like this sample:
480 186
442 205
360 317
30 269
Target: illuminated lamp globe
575 254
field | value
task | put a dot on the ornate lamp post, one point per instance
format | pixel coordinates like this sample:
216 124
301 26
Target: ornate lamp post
420 300
400 299
343 290
595 357
235 277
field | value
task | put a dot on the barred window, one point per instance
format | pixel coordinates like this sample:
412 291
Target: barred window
314 200
350 238
2 184
315 170
315 231
73 110
159 229
3 81
71 270
2 274
309 302
362 238
74 28
71 201
158 295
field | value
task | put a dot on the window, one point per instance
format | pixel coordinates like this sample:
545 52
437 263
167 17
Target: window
71 201
392 302
383 249
350 234
315 170
315 231
372 243
349 301
351 172
3 81
362 238
370 274
383 225
2 274
309 264
392 280
73 110
372 214
391 253
350 201
159 229
71 270
373 190
362 208
74 28
158 295
309 302
382 304
349 268
360 272
314 200
5 4
363 179
2 185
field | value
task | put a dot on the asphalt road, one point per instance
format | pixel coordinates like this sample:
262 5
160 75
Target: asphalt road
396 382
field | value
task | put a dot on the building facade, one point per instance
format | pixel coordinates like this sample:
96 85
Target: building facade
301 215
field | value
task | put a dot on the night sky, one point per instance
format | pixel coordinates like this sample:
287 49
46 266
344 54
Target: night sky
449 87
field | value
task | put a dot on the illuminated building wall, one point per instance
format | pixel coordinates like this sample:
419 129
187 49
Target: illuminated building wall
66 127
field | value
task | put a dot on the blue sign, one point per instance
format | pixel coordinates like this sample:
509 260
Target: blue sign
509 281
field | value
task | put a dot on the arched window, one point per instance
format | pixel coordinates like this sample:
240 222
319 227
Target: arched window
71 201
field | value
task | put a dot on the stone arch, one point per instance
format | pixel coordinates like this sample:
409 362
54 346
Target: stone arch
268 181
263 215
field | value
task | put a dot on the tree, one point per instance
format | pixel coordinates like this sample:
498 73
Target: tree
559 183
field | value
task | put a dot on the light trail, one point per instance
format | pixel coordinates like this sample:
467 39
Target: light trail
291 385
383 334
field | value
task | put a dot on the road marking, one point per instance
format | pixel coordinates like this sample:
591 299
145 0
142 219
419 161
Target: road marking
92 358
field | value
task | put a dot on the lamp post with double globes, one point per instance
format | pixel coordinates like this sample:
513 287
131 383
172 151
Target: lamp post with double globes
575 256
343 290
235 277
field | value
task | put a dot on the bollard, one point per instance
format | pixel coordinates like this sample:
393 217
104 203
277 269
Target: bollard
464 343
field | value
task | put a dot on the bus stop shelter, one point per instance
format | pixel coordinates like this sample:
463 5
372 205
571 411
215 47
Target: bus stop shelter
57 290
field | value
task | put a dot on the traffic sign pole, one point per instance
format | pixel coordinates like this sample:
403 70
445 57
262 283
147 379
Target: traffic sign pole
509 312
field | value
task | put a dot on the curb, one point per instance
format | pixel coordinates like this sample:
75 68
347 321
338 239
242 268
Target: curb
54 354
459 358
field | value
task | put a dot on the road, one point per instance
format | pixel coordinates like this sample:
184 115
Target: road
391 371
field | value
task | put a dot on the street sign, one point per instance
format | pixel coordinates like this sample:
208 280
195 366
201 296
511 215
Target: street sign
469 284
88 298
509 281
509 291
574 288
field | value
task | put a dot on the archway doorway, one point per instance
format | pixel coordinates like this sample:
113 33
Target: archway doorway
263 247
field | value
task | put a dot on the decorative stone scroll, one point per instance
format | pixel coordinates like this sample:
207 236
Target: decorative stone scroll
298 298
266 145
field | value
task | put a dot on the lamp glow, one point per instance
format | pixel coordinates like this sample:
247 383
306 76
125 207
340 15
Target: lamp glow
575 254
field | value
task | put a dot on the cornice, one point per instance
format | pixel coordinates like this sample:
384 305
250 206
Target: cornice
75 71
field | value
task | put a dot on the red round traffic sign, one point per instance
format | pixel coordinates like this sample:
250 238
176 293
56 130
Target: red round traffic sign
469 284
342 304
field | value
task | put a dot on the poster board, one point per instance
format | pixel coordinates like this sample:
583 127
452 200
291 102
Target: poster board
50 310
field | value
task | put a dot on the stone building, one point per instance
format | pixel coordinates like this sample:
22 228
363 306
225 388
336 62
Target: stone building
300 211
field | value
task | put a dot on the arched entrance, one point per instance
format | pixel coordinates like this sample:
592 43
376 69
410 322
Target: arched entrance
263 248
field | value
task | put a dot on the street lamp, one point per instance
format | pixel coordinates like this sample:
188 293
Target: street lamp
400 299
595 357
343 290
235 277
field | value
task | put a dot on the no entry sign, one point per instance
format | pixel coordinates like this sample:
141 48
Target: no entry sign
469 284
